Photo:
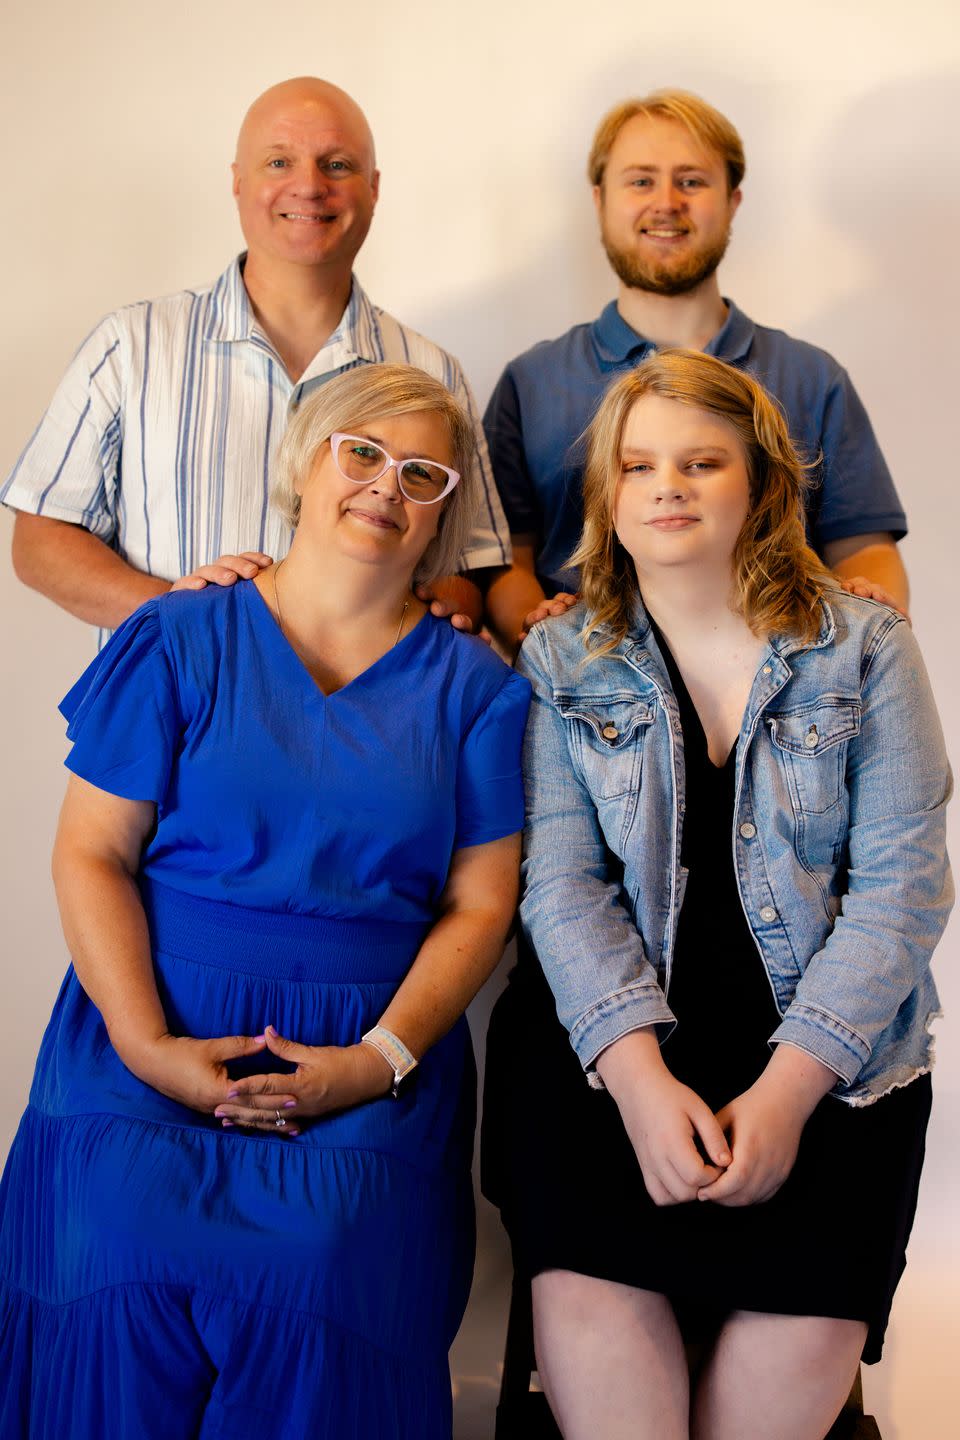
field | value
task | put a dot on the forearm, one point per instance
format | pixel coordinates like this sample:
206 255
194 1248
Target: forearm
876 559
106 933
458 956
511 595
78 572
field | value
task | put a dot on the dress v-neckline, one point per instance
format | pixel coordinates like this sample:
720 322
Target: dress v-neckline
270 620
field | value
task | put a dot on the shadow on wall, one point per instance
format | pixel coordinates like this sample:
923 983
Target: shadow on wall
889 184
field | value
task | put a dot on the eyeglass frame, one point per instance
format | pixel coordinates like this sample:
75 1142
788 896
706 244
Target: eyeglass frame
453 476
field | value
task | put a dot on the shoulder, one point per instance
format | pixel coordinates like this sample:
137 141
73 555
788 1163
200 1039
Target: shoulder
471 669
197 620
776 349
403 345
550 356
554 648
859 629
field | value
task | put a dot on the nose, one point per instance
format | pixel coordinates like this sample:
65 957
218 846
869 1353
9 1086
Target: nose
671 484
309 179
666 196
387 485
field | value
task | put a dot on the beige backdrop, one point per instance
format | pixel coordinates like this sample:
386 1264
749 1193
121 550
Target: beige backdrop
119 121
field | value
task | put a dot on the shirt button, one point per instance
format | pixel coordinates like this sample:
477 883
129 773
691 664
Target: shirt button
747 830
767 914
610 732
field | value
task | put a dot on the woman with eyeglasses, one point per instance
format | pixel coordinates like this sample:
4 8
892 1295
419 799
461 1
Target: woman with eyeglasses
240 1202
707 1094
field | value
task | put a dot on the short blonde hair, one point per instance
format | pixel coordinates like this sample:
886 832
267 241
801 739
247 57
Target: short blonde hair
713 130
375 392
777 579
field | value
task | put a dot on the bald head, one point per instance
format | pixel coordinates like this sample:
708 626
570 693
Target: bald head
305 98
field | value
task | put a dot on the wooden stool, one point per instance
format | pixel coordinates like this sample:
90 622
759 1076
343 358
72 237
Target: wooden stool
523 1414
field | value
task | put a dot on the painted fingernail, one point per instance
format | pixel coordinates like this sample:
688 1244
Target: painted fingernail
289 1104
232 1094
270 1030
290 1132
259 1039
227 1124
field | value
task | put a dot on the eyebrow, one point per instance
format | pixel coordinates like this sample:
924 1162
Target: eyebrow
721 452
655 169
411 455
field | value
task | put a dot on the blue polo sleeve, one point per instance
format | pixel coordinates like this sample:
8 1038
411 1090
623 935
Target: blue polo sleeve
857 494
503 426
489 777
122 714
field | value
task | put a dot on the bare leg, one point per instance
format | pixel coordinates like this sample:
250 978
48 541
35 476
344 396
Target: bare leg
610 1358
776 1377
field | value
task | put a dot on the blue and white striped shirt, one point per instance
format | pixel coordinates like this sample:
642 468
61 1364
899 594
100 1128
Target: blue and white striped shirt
161 436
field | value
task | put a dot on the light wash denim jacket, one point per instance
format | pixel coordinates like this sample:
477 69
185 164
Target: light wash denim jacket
838 838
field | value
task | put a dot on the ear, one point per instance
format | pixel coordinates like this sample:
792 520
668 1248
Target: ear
235 187
735 198
597 193
375 186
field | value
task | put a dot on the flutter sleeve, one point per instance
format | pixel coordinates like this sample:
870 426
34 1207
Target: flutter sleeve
122 714
489 779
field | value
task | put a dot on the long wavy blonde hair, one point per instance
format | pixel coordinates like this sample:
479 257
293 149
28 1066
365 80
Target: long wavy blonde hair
777 579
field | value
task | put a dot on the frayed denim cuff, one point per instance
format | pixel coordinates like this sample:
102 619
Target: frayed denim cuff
826 1037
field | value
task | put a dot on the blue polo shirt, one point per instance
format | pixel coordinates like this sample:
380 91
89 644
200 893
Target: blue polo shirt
545 399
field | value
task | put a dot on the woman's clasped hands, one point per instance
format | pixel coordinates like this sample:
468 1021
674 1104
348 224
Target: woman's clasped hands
741 1155
326 1078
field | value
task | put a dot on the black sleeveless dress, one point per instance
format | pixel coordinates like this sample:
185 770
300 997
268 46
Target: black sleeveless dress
556 1159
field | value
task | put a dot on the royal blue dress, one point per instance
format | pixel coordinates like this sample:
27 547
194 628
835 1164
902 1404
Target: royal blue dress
158 1275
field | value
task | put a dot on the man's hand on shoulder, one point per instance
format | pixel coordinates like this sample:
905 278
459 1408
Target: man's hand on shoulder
559 605
224 571
457 599
870 590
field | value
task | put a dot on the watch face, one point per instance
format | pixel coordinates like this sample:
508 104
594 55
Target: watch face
405 1083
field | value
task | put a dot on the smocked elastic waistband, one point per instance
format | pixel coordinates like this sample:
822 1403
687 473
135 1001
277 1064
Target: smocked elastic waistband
277 944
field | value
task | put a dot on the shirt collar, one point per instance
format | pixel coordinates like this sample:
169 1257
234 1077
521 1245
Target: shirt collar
617 343
231 317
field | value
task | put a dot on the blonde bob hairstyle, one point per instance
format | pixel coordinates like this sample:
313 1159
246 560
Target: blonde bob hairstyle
777 579
354 400
707 126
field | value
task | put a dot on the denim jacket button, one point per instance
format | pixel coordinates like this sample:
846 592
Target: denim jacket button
747 830
610 732
768 669
767 913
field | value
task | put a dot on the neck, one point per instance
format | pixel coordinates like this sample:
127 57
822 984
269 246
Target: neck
320 589
689 321
297 306
692 602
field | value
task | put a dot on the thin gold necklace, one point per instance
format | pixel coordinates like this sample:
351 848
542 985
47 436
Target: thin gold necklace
276 601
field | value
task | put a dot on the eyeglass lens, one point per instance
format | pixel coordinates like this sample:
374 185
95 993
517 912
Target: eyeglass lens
363 462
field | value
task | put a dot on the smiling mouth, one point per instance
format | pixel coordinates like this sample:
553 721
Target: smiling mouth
673 522
300 219
664 232
370 517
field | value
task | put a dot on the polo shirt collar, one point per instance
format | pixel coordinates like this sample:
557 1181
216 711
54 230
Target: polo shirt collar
231 317
617 344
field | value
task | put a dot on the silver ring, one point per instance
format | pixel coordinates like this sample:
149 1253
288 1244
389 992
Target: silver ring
280 1120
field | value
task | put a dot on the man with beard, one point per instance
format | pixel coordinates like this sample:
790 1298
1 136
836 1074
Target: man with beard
666 173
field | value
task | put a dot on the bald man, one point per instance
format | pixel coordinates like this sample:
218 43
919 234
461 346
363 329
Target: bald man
156 453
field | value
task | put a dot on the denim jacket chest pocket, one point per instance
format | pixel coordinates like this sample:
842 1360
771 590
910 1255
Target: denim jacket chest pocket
812 741
605 734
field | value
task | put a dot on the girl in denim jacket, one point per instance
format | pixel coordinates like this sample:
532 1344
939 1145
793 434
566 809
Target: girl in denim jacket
735 877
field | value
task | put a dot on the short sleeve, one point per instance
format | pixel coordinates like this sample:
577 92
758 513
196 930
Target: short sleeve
504 432
68 470
858 495
489 779
122 715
